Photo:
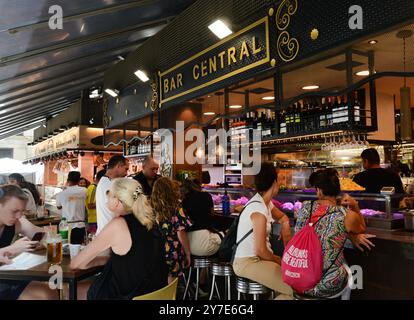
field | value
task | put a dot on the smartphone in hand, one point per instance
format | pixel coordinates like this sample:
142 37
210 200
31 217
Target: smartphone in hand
38 236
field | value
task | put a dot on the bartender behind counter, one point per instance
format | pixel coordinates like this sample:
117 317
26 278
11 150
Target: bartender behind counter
374 178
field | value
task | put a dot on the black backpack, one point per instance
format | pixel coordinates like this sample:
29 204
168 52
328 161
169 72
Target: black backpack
229 245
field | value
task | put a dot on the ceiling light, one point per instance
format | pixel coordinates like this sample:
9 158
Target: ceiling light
120 58
44 125
141 75
373 42
311 87
236 107
268 98
82 27
210 113
220 29
362 73
112 92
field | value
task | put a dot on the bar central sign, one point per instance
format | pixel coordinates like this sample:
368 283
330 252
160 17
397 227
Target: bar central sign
235 54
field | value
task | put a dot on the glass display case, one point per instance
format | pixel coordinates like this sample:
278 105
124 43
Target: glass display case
377 209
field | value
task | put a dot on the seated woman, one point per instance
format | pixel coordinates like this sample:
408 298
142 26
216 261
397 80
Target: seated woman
254 258
136 265
12 221
198 205
334 223
172 222
33 196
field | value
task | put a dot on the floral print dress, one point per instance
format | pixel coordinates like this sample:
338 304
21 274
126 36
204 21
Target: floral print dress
174 251
332 235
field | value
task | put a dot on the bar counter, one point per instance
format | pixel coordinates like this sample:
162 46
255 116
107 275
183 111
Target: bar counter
388 269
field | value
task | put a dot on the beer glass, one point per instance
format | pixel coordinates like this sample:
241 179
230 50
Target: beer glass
54 249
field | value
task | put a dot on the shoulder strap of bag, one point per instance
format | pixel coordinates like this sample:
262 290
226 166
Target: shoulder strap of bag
251 230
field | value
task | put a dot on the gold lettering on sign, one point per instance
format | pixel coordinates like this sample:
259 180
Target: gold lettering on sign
244 51
231 52
179 80
221 56
255 49
196 73
213 64
166 86
204 68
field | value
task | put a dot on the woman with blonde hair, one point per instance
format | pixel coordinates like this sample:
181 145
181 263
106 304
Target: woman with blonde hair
136 264
172 222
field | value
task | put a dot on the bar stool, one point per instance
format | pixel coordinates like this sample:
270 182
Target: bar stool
345 294
221 269
198 262
247 286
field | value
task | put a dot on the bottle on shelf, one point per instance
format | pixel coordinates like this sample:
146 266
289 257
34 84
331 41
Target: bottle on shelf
329 112
64 230
344 117
323 114
297 117
336 111
225 203
357 108
282 122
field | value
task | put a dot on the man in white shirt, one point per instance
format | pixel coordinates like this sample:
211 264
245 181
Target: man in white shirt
72 202
117 168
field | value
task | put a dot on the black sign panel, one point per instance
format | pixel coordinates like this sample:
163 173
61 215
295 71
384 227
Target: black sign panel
239 52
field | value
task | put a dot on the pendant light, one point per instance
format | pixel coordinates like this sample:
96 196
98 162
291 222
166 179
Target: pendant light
406 117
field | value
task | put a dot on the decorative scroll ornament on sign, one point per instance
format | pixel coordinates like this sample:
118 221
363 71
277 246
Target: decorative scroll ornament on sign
287 47
155 96
105 113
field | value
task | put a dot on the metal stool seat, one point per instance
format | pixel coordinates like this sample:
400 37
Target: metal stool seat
247 286
221 269
197 263
345 294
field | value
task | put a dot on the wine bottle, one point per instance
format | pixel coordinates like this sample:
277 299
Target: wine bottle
336 111
282 122
329 112
357 108
322 114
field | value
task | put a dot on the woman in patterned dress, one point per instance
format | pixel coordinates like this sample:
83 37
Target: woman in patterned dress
334 224
172 222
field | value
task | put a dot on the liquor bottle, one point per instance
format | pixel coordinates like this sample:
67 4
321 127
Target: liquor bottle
317 113
357 108
289 118
329 112
282 122
297 117
323 114
336 112
133 147
259 121
225 203
344 117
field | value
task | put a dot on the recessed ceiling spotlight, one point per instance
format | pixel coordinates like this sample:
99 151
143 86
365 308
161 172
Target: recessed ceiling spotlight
236 106
112 92
141 75
372 41
362 73
268 98
210 113
220 29
311 87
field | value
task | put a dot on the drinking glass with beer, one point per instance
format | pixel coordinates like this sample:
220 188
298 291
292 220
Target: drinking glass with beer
54 248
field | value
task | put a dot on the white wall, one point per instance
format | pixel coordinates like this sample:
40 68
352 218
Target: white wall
21 151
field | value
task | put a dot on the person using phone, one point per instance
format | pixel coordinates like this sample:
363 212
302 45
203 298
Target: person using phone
12 221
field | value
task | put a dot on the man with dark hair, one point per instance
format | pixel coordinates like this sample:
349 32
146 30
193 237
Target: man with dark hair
148 175
117 168
91 201
72 203
374 178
